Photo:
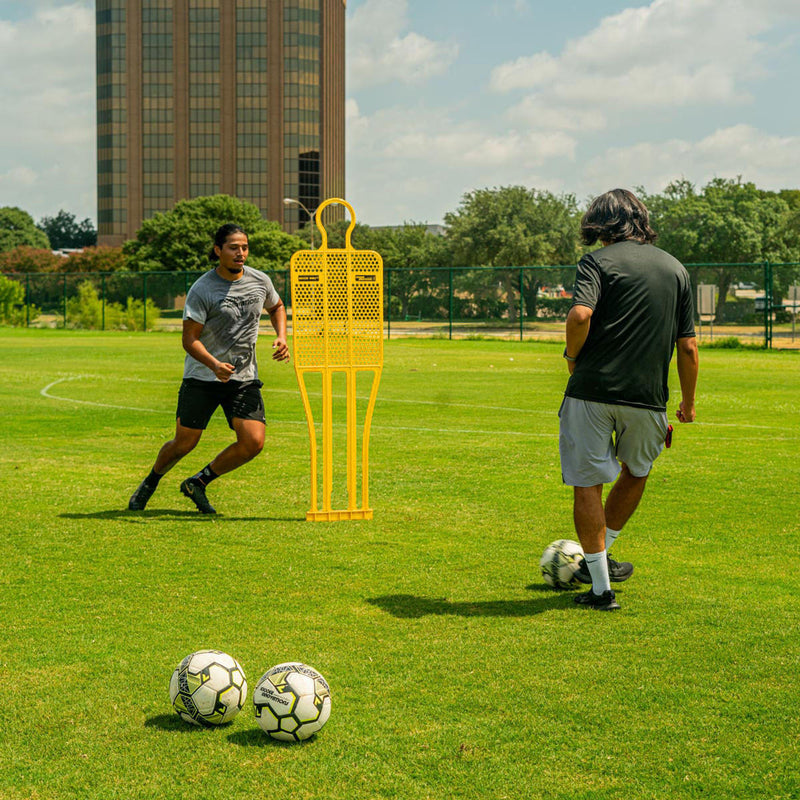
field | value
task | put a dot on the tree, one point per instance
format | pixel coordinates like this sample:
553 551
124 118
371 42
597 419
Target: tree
727 222
412 254
514 227
17 229
180 240
30 259
65 232
94 259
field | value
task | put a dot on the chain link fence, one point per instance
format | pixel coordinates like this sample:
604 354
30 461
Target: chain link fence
756 303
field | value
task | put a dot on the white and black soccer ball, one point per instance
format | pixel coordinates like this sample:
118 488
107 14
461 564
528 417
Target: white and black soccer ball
292 702
208 688
559 563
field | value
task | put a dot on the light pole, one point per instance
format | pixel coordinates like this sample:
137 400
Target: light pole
289 201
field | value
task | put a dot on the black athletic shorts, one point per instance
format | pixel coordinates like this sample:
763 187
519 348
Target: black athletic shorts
198 400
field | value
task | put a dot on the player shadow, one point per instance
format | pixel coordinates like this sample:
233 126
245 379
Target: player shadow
155 513
408 606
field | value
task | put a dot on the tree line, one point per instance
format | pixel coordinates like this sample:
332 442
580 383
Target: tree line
724 222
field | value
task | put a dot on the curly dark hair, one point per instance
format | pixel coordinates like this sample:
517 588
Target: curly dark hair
221 236
617 216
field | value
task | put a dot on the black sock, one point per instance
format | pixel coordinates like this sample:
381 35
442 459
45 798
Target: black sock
206 475
152 479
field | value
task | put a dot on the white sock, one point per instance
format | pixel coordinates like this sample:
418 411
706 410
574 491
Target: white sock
610 537
598 569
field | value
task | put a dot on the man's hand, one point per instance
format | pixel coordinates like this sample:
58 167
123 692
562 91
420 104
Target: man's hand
281 350
686 412
223 370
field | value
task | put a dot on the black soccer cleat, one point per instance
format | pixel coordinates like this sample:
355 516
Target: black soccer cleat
601 602
196 492
140 497
618 571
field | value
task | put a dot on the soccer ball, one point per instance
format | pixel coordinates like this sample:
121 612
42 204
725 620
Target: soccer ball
559 563
292 702
208 688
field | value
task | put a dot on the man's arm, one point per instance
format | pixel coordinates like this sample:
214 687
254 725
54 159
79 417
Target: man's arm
578 321
688 365
197 350
277 316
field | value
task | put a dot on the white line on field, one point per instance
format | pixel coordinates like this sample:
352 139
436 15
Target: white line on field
45 392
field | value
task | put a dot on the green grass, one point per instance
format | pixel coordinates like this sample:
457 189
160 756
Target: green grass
455 673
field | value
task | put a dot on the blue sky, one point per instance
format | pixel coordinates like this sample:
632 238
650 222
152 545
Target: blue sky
445 96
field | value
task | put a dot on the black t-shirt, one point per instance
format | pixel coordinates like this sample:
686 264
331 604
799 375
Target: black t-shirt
642 303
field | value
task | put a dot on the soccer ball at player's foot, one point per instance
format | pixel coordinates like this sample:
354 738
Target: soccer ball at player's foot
292 702
208 688
559 563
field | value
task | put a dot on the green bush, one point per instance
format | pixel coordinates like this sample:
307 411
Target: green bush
86 311
730 343
12 295
555 308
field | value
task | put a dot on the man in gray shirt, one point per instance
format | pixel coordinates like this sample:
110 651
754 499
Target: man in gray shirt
632 308
220 330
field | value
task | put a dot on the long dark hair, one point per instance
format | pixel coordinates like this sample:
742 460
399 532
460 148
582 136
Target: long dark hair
221 236
616 216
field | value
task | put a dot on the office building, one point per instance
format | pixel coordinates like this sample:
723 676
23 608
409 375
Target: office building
199 97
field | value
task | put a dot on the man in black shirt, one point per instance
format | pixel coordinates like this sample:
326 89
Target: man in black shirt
632 307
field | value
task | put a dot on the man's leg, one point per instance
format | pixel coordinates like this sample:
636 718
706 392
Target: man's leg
590 521
249 443
184 441
623 499
590 525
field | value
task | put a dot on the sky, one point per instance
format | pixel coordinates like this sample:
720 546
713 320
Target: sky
447 96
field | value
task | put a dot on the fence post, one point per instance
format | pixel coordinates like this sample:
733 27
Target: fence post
521 304
450 301
767 305
389 303
27 300
65 300
144 302
103 285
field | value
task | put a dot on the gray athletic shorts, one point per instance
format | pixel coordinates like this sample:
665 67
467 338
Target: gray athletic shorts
595 437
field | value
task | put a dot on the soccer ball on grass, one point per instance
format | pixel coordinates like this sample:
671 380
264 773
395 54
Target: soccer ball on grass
292 702
559 563
208 688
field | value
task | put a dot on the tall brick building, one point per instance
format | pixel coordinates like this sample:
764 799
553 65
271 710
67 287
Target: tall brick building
198 97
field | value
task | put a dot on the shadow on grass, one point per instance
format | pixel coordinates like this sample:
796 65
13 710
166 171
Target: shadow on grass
133 516
255 737
171 722
407 606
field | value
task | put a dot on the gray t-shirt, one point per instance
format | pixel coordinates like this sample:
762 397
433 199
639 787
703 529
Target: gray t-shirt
229 312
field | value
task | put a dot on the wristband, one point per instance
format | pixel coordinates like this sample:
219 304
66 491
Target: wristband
569 358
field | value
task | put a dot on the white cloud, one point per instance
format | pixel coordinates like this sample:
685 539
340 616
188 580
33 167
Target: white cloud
48 123
420 162
381 50
669 54
769 161
434 137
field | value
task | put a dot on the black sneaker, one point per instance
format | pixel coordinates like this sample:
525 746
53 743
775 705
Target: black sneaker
618 571
140 497
196 492
602 602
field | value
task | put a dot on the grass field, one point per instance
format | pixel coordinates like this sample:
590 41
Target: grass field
455 673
